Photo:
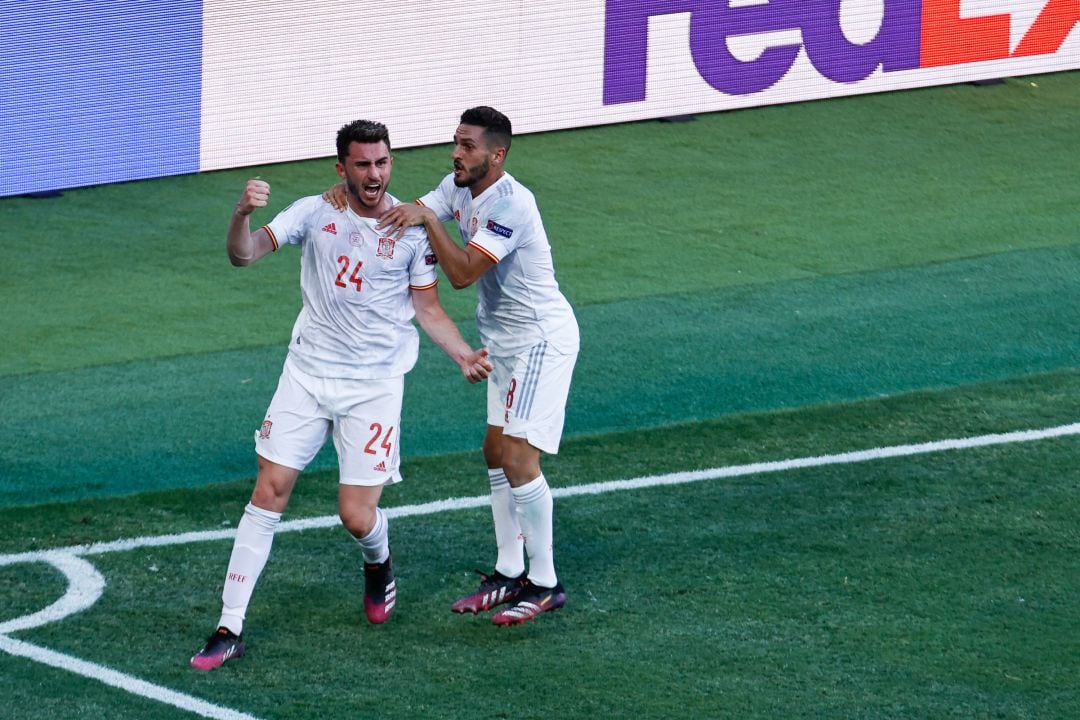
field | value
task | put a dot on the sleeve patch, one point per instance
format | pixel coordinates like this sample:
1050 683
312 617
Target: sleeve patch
499 229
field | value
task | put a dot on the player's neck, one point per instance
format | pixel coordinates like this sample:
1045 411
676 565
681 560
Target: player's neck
369 212
478 188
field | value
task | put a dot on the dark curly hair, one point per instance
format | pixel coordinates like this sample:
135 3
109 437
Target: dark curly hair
497 130
361 131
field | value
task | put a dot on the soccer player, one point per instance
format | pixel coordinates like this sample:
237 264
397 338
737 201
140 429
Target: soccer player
532 334
351 346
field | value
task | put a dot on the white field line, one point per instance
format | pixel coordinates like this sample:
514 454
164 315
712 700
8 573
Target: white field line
133 685
85 584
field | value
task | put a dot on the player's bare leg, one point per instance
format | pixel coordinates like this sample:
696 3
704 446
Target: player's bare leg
358 506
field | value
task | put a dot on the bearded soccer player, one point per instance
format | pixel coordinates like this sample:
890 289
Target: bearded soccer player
351 346
532 334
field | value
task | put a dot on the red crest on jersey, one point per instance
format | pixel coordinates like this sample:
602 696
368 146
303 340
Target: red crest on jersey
386 247
264 431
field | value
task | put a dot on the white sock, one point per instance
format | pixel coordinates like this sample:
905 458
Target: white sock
534 506
254 536
511 560
375 546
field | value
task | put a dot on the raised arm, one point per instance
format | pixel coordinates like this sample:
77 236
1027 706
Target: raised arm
474 364
245 247
463 266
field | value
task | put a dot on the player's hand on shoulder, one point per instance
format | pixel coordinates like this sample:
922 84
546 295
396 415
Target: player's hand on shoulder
336 196
401 217
256 195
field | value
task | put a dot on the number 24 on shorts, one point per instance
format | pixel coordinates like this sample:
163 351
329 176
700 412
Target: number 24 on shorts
385 444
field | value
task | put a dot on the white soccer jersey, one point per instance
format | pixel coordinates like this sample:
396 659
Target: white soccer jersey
520 303
355 283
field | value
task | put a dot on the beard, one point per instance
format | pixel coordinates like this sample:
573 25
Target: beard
473 174
352 190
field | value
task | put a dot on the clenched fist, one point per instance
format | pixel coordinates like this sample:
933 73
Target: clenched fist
256 194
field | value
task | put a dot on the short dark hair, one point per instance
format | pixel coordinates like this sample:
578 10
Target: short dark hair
497 130
361 131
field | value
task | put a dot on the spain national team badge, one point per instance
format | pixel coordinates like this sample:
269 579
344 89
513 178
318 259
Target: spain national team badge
356 239
386 248
264 431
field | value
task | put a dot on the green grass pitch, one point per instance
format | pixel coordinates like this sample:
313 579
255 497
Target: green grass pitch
790 282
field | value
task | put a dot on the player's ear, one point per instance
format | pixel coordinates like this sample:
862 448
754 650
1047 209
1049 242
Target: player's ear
340 170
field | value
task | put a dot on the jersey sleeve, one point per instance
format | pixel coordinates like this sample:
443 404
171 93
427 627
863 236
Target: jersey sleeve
498 234
439 199
290 226
422 265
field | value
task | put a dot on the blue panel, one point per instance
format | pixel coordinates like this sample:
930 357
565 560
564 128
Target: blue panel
97 91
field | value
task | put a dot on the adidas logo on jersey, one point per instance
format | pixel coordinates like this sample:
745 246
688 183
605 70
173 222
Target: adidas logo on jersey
331 228
381 467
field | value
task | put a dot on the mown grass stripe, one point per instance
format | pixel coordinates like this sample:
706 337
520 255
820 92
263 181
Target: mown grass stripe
463 503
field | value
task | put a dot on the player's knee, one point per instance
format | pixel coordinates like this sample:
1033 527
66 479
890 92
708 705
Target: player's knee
272 492
520 461
359 521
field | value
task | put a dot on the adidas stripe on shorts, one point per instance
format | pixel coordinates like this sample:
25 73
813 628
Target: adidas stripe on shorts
527 395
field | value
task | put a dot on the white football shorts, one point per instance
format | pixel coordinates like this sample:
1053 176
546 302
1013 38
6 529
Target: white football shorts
364 416
527 395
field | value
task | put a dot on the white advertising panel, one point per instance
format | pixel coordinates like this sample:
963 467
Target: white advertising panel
278 82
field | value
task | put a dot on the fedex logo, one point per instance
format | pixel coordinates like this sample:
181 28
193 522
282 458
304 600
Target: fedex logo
913 34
